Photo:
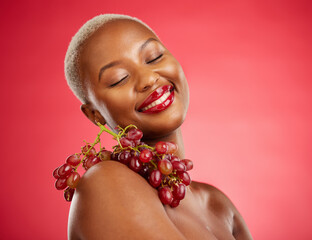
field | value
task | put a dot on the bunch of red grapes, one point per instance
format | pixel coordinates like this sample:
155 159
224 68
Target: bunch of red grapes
158 165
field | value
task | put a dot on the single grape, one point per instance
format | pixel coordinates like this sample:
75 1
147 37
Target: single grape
145 170
60 183
146 155
165 195
55 173
73 179
73 160
178 191
64 170
91 161
135 164
161 147
167 157
134 153
87 162
136 142
124 157
185 177
178 166
165 167
95 160
174 203
114 156
68 194
173 157
155 178
134 134
188 164
172 147
88 150
125 142
105 155
142 146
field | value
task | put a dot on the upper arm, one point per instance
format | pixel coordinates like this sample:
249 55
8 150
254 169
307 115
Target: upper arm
240 230
112 202
223 207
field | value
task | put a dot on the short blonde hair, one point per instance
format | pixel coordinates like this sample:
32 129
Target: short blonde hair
72 55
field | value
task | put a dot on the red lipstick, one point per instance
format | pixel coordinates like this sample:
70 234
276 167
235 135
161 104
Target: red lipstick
158 101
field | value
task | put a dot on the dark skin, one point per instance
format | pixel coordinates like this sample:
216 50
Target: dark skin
113 202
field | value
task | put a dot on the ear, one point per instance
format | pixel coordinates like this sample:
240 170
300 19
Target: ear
94 115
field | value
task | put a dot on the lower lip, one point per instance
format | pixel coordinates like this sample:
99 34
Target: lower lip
163 106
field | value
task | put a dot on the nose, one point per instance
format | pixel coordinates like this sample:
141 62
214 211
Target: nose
146 79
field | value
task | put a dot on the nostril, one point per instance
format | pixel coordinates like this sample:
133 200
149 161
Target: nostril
145 88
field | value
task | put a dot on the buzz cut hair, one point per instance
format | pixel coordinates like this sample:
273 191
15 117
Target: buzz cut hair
72 73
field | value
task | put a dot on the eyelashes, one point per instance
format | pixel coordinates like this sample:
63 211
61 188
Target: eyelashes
155 59
116 83
125 77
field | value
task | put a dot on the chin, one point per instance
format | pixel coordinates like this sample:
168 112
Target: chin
159 127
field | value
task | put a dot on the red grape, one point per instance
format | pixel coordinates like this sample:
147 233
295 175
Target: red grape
165 167
125 142
188 164
161 147
114 156
87 150
146 155
68 194
174 203
136 142
134 153
165 195
172 147
134 134
155 178
104 155
94 161
145 170
124 157
167 156
185 177
55 173
178 191
73 160
64 170
73 180
91 161
135 164
60 183
175 158
178 166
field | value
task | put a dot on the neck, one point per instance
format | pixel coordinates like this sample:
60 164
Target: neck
175 137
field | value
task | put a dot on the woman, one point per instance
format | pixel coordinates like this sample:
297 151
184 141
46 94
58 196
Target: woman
114 64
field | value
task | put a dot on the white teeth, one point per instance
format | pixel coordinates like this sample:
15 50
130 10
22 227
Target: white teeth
156 102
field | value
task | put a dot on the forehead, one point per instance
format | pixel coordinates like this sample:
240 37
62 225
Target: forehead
114 39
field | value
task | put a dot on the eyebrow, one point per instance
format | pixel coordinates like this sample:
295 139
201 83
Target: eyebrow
114 63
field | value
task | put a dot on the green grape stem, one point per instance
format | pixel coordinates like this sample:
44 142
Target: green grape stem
97 140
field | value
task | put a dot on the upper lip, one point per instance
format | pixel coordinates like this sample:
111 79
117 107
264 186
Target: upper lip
157 93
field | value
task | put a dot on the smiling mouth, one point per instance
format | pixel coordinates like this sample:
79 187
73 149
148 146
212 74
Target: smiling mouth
159 100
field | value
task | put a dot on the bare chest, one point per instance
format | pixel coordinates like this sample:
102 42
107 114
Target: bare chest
197 222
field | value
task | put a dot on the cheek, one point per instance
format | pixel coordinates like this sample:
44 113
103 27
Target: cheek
175 73
116 107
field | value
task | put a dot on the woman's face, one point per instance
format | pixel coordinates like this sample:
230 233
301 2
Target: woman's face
131 78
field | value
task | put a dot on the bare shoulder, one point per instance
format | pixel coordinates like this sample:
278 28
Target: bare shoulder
215 199
113 202
220 204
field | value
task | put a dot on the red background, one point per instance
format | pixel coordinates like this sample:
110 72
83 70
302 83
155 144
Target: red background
248 128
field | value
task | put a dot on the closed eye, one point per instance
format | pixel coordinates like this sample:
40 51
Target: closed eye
116 83
155 59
